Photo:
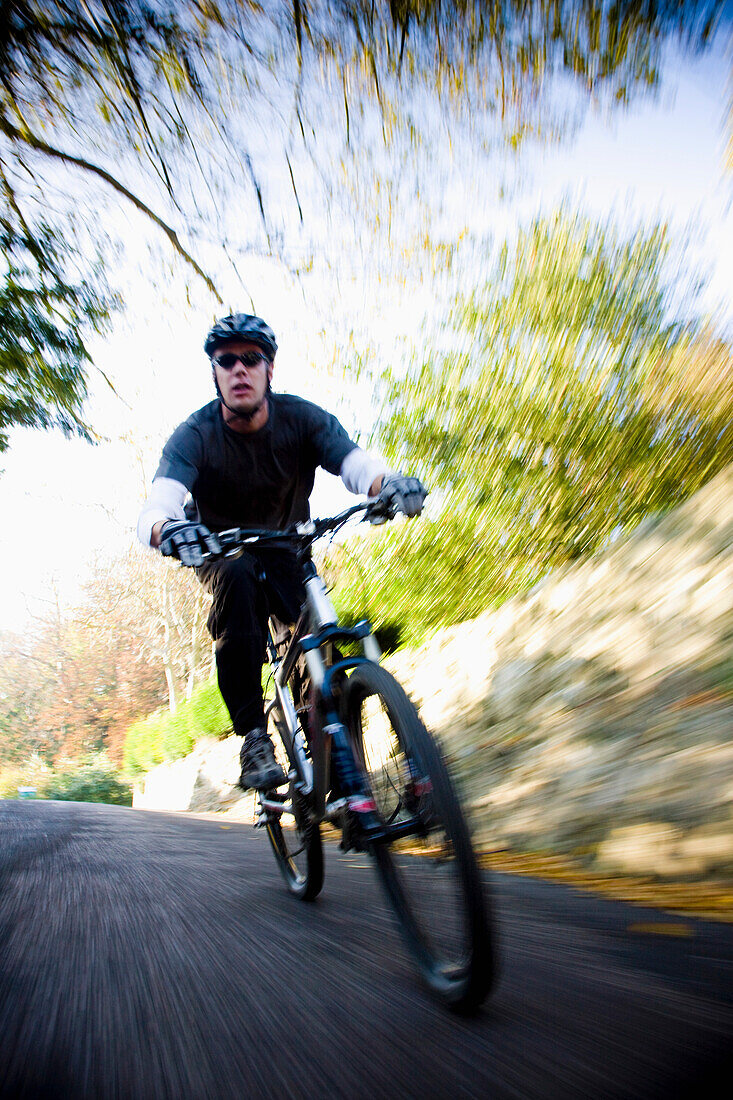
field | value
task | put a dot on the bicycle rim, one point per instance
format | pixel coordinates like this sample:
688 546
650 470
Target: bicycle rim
431 879
295 839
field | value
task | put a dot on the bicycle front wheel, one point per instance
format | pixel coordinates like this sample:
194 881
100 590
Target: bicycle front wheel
294 836
430 876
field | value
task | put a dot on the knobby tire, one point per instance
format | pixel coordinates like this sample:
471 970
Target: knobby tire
432 880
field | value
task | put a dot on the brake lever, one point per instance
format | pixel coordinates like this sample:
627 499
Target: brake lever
379 511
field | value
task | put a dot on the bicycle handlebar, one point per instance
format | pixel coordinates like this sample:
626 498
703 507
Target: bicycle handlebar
304 534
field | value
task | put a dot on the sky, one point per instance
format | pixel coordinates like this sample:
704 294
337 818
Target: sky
66 504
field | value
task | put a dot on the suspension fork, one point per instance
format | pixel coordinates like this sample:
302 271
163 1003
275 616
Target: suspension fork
335 742
350 775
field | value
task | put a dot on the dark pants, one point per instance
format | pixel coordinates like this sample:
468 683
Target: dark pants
245 590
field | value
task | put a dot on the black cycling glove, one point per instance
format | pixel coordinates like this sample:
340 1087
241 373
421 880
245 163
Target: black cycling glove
191 543
401 494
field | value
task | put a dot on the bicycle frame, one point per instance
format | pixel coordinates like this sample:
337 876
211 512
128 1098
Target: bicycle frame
317 626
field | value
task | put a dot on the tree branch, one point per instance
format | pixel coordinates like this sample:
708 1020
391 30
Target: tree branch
27 138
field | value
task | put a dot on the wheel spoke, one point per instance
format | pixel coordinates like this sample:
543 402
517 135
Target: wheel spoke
296 842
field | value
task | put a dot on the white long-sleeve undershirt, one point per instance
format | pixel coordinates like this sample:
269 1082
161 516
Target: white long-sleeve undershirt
165 501
358 472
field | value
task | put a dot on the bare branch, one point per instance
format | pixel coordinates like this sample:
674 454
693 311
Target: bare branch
33 142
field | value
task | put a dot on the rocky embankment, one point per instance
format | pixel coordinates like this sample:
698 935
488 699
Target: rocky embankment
593 716
202 782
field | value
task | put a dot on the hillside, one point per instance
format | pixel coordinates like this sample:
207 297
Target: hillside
594 715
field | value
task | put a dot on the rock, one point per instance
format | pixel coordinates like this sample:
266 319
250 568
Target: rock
660 849
203 781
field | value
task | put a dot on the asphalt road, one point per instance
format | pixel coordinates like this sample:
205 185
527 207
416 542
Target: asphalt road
150 955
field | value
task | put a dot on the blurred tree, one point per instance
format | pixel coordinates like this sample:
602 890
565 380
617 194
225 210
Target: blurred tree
79 80
694 382
45 317
138 642
154 104
19 700
118 88
147 605
552 409
562 401
75 79
502 55
100 686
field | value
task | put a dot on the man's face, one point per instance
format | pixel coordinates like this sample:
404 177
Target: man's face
242 387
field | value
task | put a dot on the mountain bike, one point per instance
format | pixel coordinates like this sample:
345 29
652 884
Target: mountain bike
358 758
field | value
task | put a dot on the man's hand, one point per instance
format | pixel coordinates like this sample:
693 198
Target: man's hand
189 542
401 494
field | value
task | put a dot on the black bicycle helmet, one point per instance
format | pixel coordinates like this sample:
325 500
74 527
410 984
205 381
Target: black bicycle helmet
241 326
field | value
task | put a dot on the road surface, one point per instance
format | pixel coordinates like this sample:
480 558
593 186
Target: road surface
154 955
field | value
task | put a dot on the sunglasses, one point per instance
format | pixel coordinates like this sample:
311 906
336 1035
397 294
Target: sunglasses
229 359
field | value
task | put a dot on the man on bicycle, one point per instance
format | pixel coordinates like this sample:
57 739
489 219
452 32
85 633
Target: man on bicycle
248 459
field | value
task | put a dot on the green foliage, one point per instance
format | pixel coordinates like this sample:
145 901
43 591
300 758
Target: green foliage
44 316
604 47
33 772
93 780
143 746
422 575
169 736
209 717
90 779
10 779
563 401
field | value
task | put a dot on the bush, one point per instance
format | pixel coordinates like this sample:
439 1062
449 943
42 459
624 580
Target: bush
33 773
142 749
90 781
208 711
164 736
418 577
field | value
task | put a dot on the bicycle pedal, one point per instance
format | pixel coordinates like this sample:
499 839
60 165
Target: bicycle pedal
362 822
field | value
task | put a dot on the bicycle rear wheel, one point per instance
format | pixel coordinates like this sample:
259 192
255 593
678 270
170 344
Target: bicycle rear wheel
431 877
295 837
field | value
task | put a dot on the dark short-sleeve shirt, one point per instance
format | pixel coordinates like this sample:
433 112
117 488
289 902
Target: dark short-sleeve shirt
259 479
